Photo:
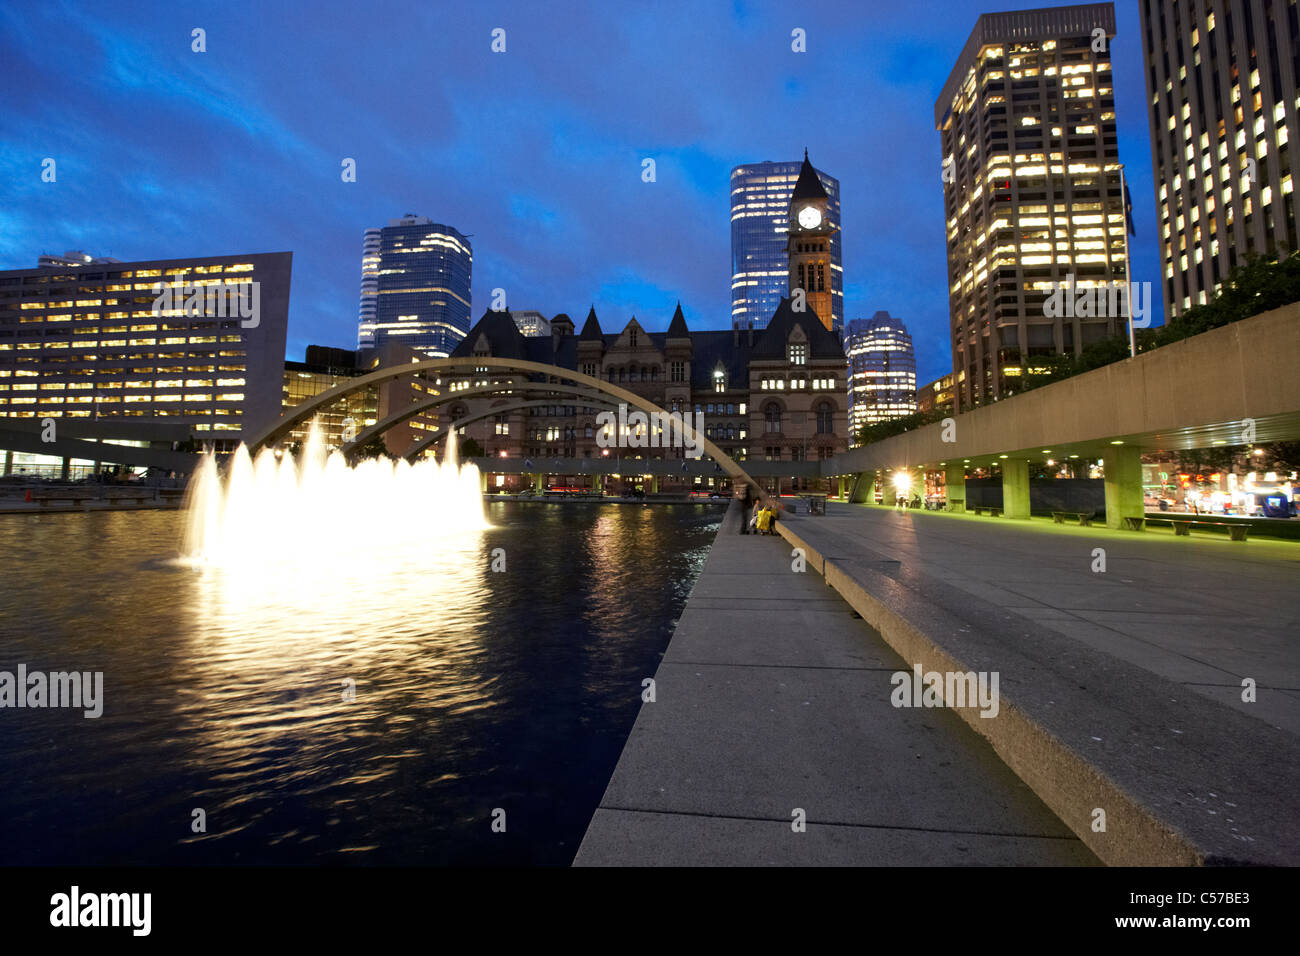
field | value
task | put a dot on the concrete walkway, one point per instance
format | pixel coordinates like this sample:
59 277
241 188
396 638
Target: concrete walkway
773 696
1121 688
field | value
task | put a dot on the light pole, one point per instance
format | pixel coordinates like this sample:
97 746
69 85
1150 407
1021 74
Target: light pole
1128 263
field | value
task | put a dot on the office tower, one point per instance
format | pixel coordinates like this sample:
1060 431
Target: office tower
882 371
1222 80
415 287
115 343
531 322
760 264
1032 194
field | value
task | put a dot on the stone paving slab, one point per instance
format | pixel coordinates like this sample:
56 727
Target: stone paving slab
621 837
779 699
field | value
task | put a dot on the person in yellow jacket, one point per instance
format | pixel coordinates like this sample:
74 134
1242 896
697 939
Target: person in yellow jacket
764 520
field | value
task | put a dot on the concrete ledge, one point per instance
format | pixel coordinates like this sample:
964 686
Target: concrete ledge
1045 733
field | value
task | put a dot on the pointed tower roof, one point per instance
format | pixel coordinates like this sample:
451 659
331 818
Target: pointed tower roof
591 328
808 186
677 327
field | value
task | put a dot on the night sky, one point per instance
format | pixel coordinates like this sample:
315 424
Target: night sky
535 153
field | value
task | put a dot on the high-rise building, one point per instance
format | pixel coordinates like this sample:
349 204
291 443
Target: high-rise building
882 370
760 222
1223 88
1032 192
531 322
415 287
135 345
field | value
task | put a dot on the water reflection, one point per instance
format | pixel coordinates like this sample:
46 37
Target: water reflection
474 689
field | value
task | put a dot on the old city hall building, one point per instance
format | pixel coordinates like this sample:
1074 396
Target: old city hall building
772 394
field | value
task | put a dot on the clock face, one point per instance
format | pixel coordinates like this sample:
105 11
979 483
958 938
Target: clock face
810 217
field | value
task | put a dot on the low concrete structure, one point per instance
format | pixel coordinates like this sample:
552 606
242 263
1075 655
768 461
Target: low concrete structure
1232 385
1148 686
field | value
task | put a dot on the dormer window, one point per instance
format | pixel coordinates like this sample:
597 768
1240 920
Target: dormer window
719 380
798 353
631 337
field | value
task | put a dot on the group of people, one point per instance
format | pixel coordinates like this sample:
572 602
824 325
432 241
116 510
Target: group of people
762 517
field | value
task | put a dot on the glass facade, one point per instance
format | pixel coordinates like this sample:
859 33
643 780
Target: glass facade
1032 192
760 270
415 287
882 371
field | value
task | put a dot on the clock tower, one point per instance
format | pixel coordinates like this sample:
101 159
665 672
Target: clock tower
808 246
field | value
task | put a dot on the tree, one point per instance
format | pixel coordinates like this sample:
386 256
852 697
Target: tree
375 448
470 448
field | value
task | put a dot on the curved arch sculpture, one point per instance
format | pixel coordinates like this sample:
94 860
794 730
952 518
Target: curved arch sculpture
433 438
283 426
408 412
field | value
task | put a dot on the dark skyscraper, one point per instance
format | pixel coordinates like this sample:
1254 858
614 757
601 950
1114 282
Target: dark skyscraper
1032 193
415 287
1222 82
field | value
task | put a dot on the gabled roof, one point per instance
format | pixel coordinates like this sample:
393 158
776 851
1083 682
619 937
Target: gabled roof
808 186
677 327
503 336
591 328
771 342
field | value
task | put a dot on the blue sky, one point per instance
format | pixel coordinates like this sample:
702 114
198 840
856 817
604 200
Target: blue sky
536 153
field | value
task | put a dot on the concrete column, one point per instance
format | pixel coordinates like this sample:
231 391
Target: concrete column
482 481
654 484
539 483
840 485
9 463
1015 488
67 468
954 478
1122 474
861 488
595 483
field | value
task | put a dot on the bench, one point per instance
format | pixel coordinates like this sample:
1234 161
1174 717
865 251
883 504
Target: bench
1236 531
1084 517
1134 524
995 512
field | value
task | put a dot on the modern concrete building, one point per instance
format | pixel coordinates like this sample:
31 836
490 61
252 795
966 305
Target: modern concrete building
1032 193
936 395
73 259
532 323
760 222
1223 89
415 287
882 370
178 347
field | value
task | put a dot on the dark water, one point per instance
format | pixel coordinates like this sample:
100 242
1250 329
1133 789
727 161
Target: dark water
475 690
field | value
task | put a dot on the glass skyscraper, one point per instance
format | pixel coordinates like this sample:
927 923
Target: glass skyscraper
760 210
415 287
882 370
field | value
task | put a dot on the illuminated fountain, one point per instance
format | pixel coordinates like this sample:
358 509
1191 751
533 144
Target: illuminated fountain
317 513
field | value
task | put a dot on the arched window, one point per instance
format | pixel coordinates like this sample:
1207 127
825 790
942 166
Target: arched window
611 376
825 418
622 375
772 414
